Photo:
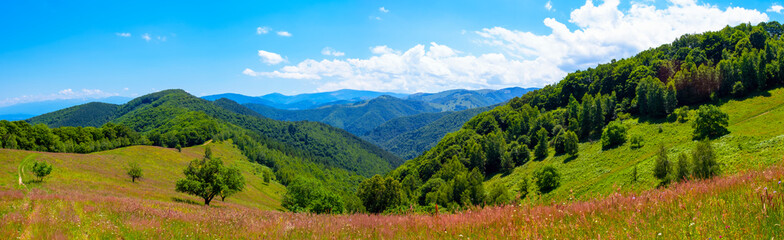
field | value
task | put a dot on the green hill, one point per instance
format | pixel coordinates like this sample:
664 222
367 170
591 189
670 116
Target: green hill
357 118
103 173
645 94
92 114
174 117
408 137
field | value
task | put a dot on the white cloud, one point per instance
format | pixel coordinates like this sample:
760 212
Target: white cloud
376 18
162 39
284 34
124 34
146 37
328 51
776 8
262 30
60 95
383 10
605 32
270 57
548 6
418 69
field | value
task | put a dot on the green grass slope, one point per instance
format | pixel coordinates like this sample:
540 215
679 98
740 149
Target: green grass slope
756 141
104 173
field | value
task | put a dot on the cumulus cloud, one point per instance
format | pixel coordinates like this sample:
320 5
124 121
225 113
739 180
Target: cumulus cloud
420 68
262 30
383 10
146 37
548 6
605 32
776 8
270 57
328 51
284 34
124 34
60 95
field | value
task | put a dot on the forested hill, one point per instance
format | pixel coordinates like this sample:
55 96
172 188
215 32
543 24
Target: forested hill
175 118
655 85
92 114
357 118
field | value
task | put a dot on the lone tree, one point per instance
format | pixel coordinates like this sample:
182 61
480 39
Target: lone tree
208 178
547 179
41 170
710 122
134 171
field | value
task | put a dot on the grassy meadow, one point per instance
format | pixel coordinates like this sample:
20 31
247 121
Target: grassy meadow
89 196
756 141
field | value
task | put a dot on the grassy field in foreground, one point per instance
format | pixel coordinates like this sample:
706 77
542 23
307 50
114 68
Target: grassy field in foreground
78 178
743 206
756 141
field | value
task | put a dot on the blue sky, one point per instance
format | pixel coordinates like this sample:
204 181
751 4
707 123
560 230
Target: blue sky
91 49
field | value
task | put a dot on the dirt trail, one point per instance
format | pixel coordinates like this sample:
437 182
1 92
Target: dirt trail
21 168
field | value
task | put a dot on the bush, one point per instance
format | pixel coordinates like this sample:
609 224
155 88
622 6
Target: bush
683 167
498 194
613 135
710 122
41 170
571 143
681 114
738 90
636 141
547 179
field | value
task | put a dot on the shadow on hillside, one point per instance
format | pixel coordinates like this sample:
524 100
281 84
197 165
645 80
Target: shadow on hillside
187 201
570 158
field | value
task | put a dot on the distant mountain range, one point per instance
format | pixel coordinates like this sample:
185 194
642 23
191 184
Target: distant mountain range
27 110
380 117
304 101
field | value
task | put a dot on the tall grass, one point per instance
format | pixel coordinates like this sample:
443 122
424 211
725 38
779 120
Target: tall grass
744 206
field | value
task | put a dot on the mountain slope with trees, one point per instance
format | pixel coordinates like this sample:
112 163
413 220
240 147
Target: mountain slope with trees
599 107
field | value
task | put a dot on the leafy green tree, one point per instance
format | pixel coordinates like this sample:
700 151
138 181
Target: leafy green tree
541 151
519 153
524 188
704 161
178 147
41 170
613 135
379 194
232 182
547 179
203 178
134 171
571 143
683 172
498 194
710 122
662 166
309 195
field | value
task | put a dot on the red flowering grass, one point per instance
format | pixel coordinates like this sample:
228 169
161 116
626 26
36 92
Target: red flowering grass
745 206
